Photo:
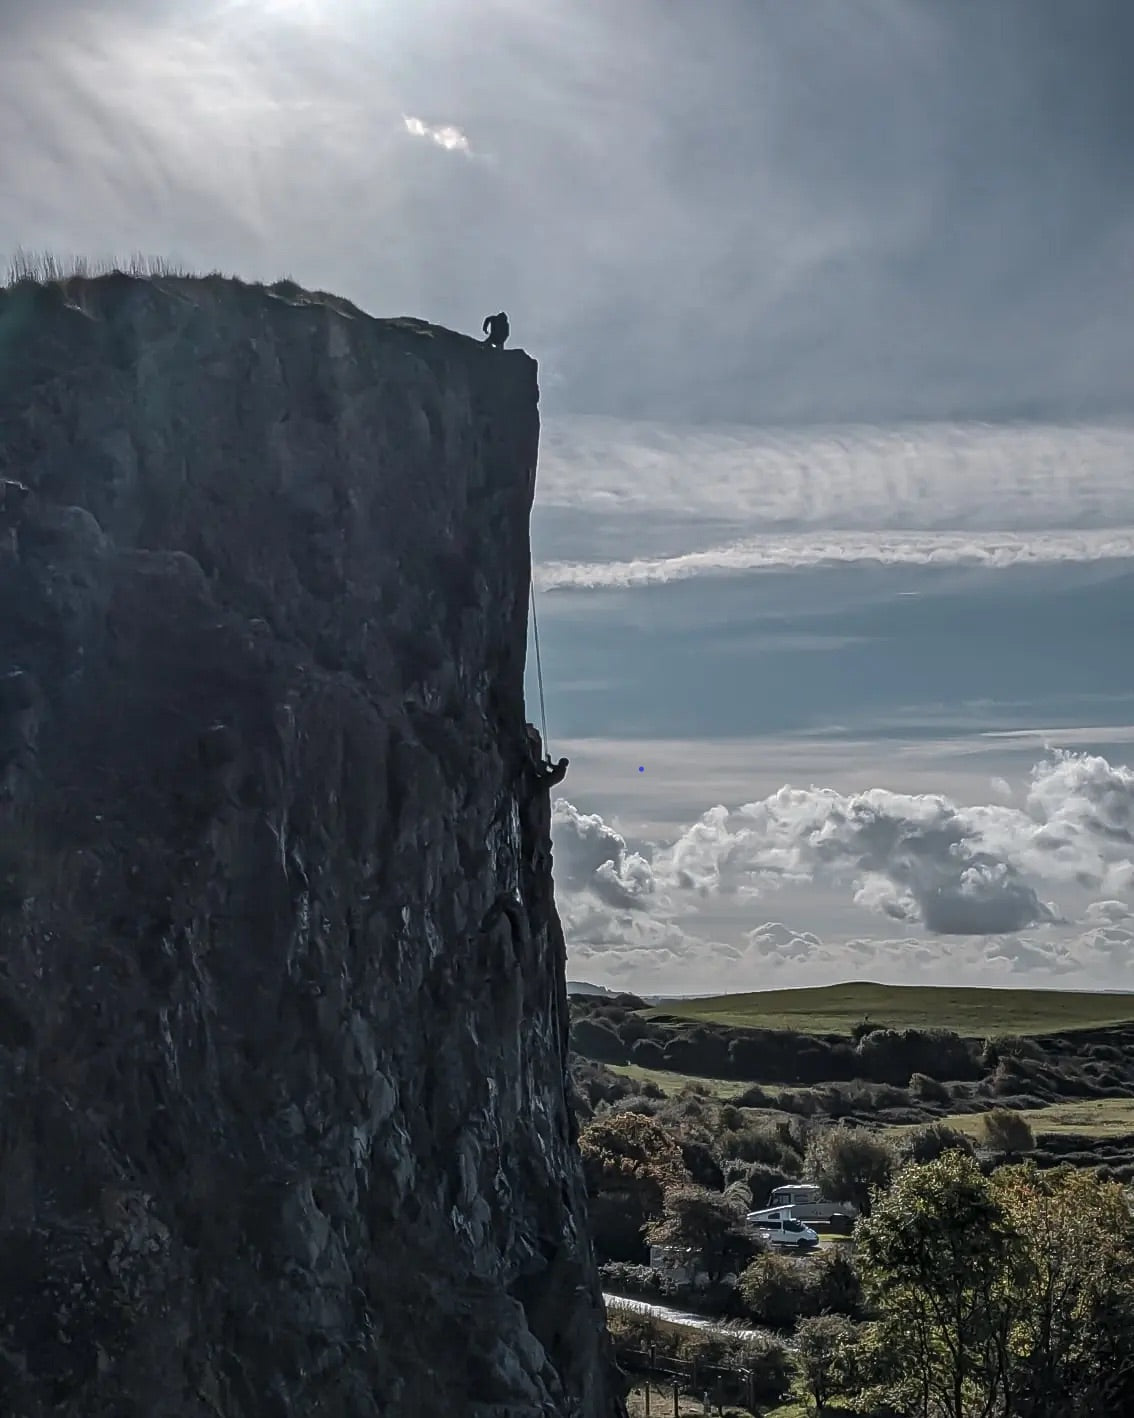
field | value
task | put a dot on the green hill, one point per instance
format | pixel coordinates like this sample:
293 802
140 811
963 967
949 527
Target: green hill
835 1009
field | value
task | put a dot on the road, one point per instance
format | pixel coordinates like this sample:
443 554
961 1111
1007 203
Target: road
683 1317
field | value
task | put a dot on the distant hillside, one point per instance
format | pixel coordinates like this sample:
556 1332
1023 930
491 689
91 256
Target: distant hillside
836 1009
582 987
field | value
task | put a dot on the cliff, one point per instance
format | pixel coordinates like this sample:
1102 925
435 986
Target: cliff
282 998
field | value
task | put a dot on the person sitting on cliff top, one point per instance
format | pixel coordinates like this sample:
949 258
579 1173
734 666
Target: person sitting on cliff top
496 330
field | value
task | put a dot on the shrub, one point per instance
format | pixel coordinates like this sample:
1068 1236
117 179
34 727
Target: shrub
623 1278
927 1143
929 1090
632 1028
596 1039
642 1103
647 1053
891 1055
759 1179
701 1163
835 1283
776 1290
634 1329
756 1143
698 1051
770 1366
1007 1132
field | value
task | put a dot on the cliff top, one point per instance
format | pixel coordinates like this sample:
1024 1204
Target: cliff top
84 283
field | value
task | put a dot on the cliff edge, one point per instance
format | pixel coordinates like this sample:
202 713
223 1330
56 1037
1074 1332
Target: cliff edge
283 1128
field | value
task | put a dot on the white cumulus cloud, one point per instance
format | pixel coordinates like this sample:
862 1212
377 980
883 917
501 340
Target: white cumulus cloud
921 859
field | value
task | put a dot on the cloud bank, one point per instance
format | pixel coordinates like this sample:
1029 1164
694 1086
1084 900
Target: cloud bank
989 871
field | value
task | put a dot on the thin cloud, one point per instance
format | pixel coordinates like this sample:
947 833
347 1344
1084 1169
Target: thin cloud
998 552
445 135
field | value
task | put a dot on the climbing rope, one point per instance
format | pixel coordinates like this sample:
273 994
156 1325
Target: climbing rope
539 670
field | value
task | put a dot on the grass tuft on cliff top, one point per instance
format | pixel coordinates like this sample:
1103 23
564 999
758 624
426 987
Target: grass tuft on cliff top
44 270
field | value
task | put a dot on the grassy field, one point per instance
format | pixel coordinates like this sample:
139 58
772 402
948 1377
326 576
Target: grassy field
835 1009
674 1082
1088 1117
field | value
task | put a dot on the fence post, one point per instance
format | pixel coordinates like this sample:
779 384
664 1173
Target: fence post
749 1390
649 1376
676 1409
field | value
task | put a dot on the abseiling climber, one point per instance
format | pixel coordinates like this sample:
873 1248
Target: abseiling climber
544 773
495 329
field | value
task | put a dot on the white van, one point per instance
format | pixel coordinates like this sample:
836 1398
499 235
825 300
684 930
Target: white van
806 1202
779 1227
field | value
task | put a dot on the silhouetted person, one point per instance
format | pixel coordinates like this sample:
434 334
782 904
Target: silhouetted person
544 773
495 328
554 772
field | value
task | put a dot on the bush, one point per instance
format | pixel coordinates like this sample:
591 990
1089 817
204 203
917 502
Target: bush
597 1039
836 1287
644 1103
776 1290
622 1278
756 1097
928 1143
701 1163
647 1053
1007 1132
616 1221
770 1366
929 1090
632 1329
892 1055
633 1028
760 1180
756 1143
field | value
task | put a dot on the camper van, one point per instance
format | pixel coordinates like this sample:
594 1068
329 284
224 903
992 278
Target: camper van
779 1227
806 1202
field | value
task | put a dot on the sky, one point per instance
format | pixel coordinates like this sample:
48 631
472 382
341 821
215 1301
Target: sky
834 310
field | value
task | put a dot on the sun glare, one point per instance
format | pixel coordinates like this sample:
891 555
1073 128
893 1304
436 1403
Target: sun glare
303 11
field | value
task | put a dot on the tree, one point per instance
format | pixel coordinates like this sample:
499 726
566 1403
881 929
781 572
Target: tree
1006 1131
1073 1325
825 1350
849 1164
707 1223
934 1255
629 1162
1010 1295
631 1152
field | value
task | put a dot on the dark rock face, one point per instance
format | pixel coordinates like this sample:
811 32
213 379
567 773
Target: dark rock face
283 1128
